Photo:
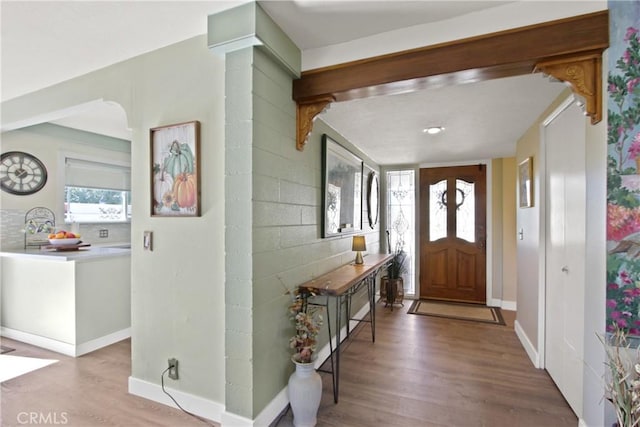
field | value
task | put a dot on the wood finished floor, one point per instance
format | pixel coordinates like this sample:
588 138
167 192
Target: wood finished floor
422 371
430 371
90 390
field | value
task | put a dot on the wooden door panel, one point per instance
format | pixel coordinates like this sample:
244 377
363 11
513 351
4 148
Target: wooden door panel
438 268
466 271
452 260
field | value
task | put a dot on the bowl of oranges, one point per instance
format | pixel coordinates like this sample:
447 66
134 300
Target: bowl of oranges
64 238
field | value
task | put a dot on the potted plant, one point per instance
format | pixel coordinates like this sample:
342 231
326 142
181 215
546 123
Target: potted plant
392 285
305 385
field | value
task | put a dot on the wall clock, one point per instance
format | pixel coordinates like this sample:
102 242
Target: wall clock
21 173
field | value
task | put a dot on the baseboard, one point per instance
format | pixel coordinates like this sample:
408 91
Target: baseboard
63 347
494 302
528 346
39 341
505 305
509 305
232 420
192 403
93 345
264 418
582 423
280 402
215 411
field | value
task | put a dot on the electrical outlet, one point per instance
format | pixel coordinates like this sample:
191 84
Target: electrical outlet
103 233
173 369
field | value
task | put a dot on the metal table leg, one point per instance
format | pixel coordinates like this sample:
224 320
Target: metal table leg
371 289
336 368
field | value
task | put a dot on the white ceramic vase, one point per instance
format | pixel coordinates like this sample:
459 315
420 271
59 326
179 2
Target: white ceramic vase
305 392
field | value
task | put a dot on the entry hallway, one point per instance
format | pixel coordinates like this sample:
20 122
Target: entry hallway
422 371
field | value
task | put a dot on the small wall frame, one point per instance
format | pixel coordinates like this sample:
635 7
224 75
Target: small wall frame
175 170
525 183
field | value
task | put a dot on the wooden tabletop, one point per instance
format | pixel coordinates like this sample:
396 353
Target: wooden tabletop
338 281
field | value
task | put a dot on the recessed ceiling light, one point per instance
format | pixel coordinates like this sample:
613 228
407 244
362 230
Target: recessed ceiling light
433 130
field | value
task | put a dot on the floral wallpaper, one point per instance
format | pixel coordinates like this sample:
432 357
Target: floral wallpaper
623 168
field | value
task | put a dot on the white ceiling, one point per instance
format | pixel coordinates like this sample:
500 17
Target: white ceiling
44 43
481 120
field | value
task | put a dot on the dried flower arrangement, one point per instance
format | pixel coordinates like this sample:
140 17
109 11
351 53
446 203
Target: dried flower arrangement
622 387
308 320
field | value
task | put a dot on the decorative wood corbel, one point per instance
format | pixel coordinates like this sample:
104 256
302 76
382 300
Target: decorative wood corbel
306 113
583 73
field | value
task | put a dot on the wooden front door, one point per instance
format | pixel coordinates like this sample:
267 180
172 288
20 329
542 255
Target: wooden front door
453 233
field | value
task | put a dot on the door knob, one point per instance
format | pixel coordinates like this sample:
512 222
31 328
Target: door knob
565 269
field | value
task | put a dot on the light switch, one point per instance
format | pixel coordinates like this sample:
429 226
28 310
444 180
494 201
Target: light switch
147 242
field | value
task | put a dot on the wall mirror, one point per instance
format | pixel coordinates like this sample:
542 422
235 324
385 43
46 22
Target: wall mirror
341 189
373 196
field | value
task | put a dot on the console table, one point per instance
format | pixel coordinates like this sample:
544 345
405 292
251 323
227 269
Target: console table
341 284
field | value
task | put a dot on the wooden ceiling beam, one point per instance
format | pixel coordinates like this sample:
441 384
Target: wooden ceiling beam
558 48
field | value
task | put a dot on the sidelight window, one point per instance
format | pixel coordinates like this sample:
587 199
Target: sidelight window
401 207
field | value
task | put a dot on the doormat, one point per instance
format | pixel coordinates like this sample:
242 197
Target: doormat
459 311
4 349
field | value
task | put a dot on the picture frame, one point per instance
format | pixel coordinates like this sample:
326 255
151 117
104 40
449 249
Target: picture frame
525 183
175 170
341 190
373 195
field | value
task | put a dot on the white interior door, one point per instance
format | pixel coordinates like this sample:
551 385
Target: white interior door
564 136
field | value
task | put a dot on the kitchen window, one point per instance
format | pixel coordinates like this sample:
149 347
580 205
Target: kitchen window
83 205
96 192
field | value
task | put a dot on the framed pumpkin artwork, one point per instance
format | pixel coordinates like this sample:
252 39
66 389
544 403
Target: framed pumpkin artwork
175 170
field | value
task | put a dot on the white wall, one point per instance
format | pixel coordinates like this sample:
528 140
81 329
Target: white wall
530 262
503 236
509 233
595 274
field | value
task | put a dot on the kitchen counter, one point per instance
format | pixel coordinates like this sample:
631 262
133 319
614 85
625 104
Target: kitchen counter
82 254
72 302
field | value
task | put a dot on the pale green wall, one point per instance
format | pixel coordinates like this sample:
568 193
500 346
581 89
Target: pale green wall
239 313
179 300
178 289
273 231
